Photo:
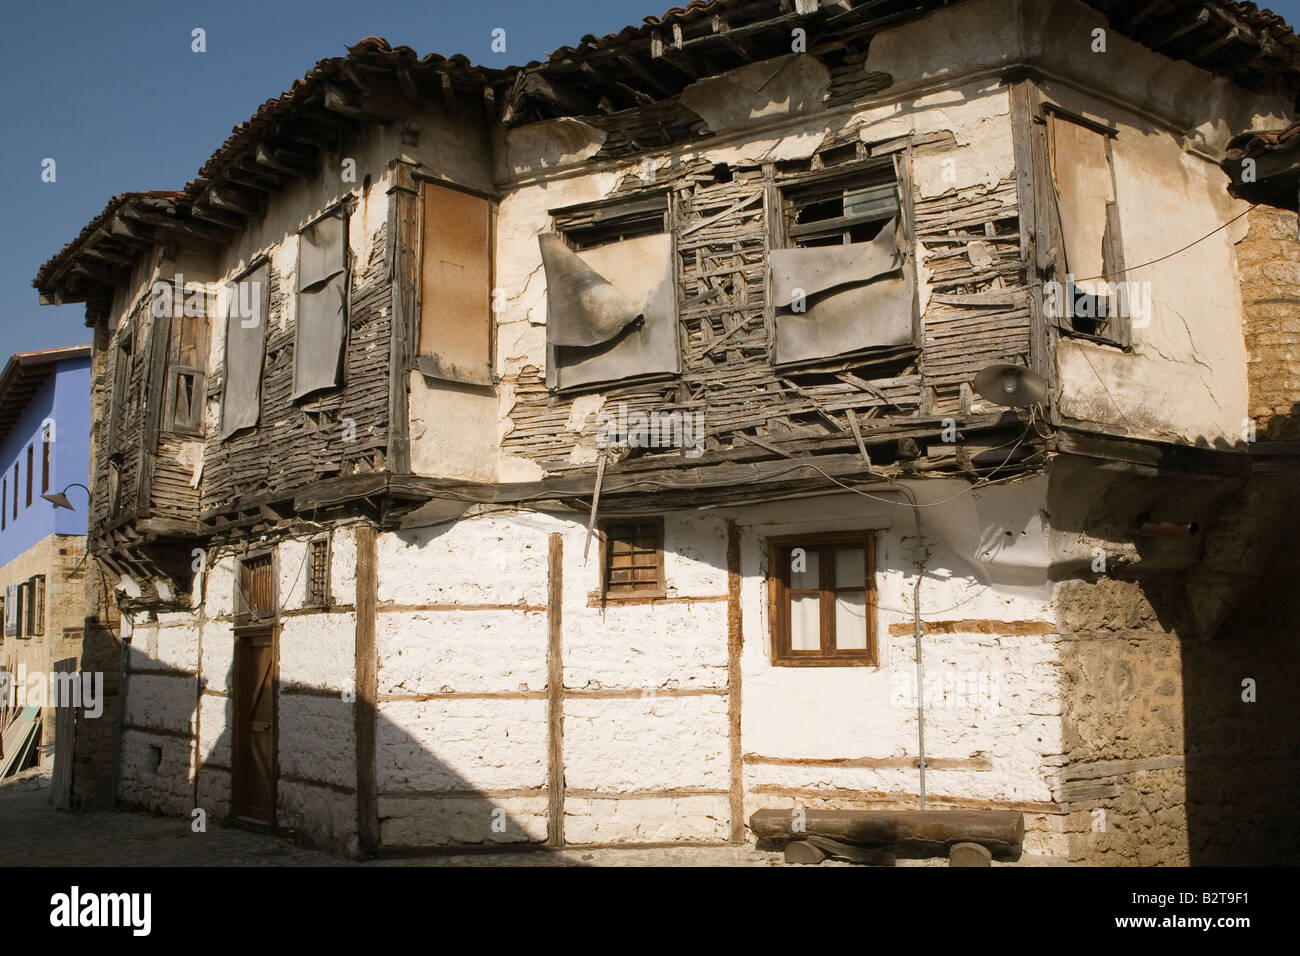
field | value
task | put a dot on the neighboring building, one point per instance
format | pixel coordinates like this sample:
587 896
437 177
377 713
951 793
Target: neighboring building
44 447
734 273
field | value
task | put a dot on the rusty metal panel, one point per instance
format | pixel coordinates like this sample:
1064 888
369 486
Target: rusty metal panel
322 251
815 269
320 336
582 306
638 274
456 287
848 320
241 394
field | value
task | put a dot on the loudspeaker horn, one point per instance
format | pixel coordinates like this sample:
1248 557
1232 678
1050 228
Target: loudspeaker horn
1010 385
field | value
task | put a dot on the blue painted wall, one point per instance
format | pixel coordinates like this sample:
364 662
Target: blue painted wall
65 398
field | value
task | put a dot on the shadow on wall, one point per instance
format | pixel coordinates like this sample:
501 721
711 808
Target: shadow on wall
1178 670
422 801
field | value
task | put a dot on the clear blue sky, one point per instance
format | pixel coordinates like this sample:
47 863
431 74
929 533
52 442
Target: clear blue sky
112 92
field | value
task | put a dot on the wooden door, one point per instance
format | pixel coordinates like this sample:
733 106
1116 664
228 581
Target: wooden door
254 790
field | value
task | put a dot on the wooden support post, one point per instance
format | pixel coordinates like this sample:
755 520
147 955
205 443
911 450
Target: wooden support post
555 694
735 641
366 690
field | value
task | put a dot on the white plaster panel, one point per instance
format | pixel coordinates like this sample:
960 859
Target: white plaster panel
422 652
458 744
646 743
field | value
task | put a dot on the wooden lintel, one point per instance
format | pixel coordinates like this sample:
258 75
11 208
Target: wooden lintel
283 161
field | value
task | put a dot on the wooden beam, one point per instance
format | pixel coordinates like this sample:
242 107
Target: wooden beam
737 45
644 75
555 693
1002 831
114 277
448 94
735 641
366 675
226 199
284 161
337 101
188 230
216 216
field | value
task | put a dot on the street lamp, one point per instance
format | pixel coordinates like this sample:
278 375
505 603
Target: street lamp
60 498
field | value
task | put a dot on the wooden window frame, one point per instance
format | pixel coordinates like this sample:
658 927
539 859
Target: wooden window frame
245 618
190 423
778 578
311 596
45 459
123 356
1116 330
36 612
795 192
605 222
25 622
658 590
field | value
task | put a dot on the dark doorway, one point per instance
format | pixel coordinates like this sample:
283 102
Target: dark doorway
254 790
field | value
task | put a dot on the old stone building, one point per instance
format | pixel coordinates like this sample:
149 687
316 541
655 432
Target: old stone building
44 408
705 420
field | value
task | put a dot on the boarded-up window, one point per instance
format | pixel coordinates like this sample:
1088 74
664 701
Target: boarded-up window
633 558
120 388
255 597
610 294
841 285
322 324
823 599
241 395
1084 181
186 379
454 339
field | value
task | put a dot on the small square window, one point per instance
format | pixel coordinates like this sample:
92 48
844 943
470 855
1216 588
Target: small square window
632 559
823 599
318 573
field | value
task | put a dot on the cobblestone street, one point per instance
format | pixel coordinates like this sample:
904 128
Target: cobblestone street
33 833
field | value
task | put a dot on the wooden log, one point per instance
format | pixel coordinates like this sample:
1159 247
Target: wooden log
1002 831
838 850
801 851
969 854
